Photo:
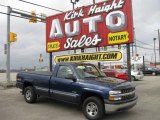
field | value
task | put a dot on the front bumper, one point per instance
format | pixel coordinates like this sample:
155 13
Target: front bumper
111 107
139 77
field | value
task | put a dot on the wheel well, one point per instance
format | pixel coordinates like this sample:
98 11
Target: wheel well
89 94
26 84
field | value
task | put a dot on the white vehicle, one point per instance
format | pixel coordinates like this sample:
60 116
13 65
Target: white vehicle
136 75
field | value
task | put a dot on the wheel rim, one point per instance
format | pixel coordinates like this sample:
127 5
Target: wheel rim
153 74
28 95
92 109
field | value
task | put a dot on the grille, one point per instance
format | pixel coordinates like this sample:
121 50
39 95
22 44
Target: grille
128 97
127 90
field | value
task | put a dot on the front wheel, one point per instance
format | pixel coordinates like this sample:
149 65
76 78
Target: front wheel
154 74
133 78
30 95
93 108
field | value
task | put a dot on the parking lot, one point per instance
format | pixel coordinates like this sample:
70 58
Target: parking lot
13 106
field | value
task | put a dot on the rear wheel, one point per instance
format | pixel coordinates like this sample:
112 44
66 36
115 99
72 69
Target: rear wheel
93 108
30 95
154 74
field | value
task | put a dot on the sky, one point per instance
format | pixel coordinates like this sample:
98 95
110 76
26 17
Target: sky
31 37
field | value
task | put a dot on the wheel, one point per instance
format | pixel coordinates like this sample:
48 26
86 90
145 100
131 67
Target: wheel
133 78
30 95
154 74
93 108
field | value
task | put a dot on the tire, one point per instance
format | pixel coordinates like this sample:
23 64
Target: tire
154 74
91 113
133 78
30 95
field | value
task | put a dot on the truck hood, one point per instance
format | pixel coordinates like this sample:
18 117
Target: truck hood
106 81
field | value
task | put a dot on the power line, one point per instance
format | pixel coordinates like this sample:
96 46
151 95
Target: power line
146 48
143 43
21 10
3 5
17 16
40 5
17 9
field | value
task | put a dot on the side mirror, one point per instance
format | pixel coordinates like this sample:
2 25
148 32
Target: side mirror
72 77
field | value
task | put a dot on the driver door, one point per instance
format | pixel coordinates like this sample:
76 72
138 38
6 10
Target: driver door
62 88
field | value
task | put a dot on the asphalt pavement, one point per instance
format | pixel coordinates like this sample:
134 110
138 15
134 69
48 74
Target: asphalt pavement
13 106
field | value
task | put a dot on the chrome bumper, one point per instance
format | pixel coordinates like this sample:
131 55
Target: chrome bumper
110 108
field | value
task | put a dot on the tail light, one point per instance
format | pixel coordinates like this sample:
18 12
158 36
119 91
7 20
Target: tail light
18 78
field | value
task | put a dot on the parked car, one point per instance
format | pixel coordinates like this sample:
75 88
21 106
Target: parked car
116 73
151 71
136 75
81 84
122 74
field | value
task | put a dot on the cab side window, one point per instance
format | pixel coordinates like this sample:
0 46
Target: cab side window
64 71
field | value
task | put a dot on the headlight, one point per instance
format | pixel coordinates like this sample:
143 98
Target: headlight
114 95
114 92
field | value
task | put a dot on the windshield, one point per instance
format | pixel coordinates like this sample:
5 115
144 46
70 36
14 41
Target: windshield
88 71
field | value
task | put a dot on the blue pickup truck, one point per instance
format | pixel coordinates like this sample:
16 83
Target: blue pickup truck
82 84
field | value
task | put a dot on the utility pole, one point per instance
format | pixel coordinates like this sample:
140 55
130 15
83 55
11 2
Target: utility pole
8 45
129 62
135 41
143 64
154 39
159 42
132 51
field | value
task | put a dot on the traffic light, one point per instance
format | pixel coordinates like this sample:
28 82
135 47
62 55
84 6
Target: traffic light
12 37
33 18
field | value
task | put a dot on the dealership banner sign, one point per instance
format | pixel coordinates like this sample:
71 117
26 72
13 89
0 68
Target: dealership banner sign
90 57
101 24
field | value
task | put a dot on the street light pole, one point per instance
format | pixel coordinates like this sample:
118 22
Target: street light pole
8 45
154 39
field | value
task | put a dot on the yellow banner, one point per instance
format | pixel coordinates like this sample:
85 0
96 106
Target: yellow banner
53 46
118 38
90 57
